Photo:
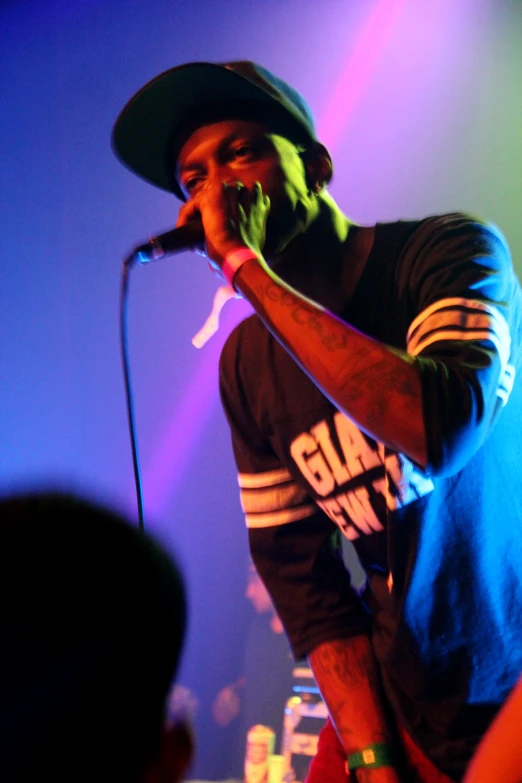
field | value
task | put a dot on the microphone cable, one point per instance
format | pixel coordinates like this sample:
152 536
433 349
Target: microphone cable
124 295
175 241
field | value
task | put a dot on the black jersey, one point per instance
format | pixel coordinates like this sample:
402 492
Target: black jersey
441 546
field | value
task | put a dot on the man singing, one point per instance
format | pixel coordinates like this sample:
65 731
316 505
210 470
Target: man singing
374 393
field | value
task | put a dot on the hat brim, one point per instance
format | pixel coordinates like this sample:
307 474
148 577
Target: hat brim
142 135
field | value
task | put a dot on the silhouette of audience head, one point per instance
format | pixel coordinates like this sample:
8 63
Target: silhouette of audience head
92 619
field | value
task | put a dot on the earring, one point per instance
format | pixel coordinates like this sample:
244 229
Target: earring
318 186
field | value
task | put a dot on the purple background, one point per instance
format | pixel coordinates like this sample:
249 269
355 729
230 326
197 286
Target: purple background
421 105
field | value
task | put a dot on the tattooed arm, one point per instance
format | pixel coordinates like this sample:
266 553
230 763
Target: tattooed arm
346 673
378 387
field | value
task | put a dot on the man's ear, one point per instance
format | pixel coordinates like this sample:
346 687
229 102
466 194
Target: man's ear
174 757
318 165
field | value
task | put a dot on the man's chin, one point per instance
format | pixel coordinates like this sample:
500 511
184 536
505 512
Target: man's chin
278 250
283 229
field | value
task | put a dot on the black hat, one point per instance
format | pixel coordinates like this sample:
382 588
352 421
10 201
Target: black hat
144 134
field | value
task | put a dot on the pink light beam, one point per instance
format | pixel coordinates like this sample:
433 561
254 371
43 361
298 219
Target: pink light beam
359 69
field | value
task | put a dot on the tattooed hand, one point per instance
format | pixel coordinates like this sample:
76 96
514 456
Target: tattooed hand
233 217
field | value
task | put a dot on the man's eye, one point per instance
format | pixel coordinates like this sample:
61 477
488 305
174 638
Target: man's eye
242 151
191 183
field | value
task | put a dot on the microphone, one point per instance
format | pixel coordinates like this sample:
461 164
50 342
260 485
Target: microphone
175 241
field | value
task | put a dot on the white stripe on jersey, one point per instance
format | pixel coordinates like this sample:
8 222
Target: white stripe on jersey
260 501
506 384
280 517
459 334
465 319
457 318
263 480
273 498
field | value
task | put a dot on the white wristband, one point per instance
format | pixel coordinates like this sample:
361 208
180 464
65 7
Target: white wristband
234 260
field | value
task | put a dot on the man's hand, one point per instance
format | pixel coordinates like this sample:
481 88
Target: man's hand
381 775
233 217
329 763
347 676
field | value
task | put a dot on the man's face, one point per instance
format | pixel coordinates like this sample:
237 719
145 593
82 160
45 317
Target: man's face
244 151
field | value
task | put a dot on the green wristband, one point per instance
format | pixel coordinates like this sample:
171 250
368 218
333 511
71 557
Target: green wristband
372 757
